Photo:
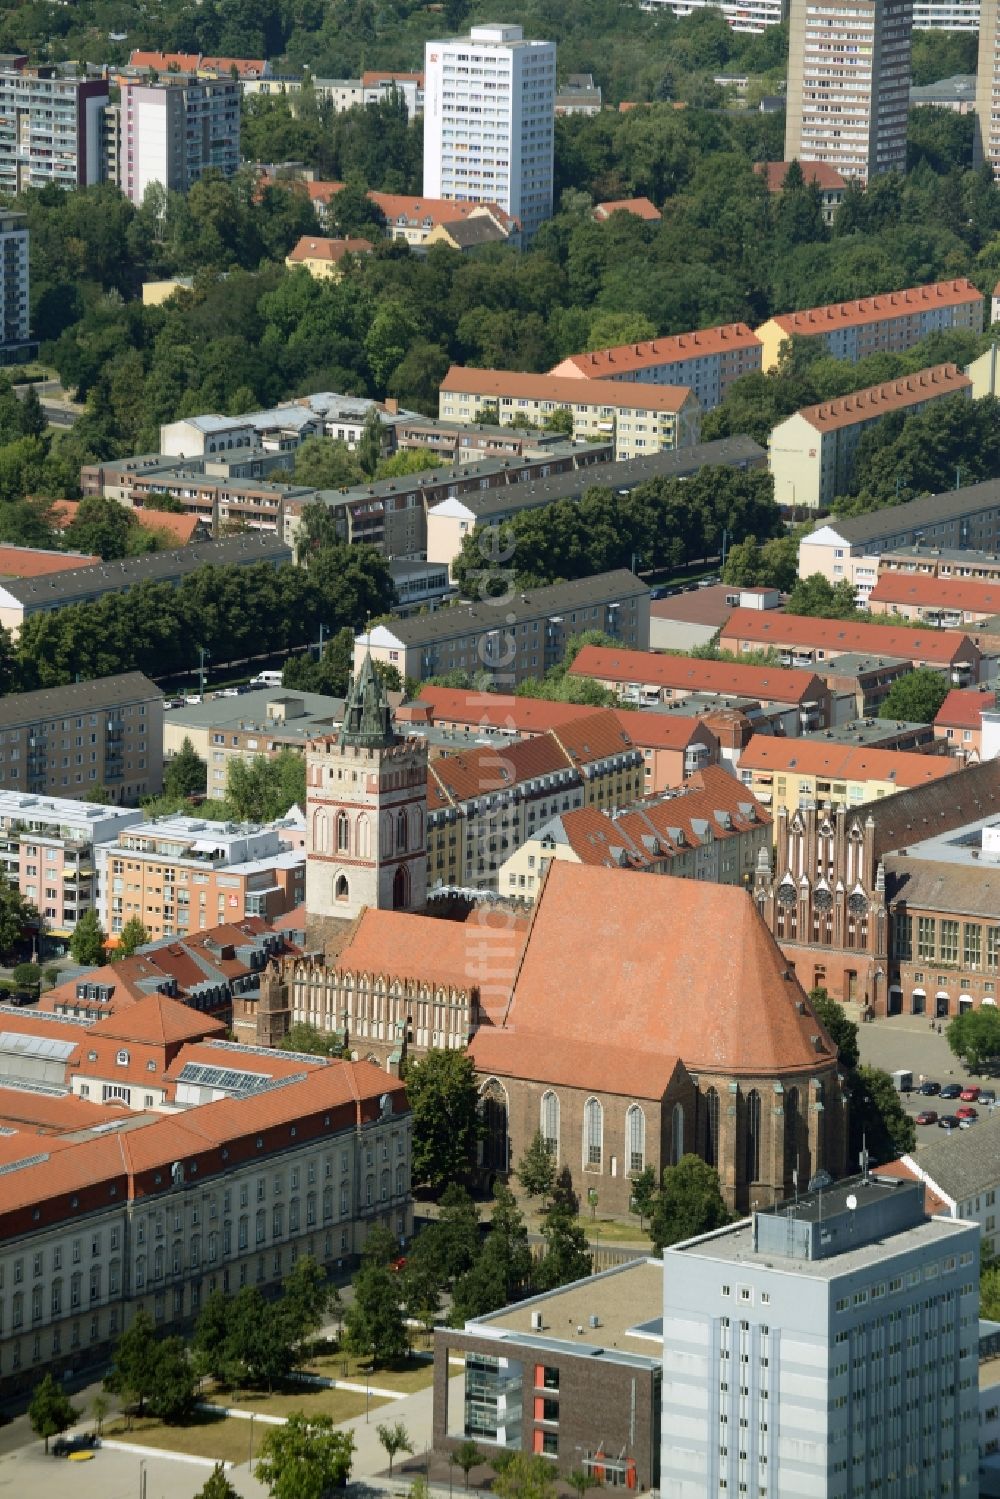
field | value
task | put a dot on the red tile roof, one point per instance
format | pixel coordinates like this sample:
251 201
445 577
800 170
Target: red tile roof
268 1061
180 528
690 673
826 178
844 761
892 395
370 79
636 356
32 562
47 1115
642 208
933 1204
481 953
532 715
649 982
495 384
331 250
963 707
162 62
874 309
156 1020
772 627
968 594
573 1063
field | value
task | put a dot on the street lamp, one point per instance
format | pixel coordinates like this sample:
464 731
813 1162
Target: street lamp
142 1478
251 1444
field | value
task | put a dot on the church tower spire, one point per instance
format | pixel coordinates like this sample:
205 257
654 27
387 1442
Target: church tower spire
367 715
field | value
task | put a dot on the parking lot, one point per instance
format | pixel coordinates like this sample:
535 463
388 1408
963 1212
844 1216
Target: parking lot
909 1041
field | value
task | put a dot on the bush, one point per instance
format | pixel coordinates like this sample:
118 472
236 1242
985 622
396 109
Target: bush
27 974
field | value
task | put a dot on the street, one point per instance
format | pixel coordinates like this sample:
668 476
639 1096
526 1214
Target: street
908 1041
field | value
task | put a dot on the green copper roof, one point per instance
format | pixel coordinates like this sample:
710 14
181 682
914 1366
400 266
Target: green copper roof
367 715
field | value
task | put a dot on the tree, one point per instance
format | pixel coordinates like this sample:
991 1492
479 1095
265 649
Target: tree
171 1393
101 527
16 914
502 1270
567 1254
878 1121
133 936
306 1296
690 1202
186 773
394 1439
816 595
917 696
133 1372
88 941
217 1486
266 788
444 1104
306 1038
370 442
51 1411
373 1324
99 1410
210 1346
536 1168
257 1344
526 1477
643 1193
841 1030
321 463
467 1456
975 1036
305 1457
581 1481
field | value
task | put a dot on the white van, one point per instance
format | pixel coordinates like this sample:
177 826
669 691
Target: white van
266 679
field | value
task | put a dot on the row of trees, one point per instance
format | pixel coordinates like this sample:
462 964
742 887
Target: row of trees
662 525
234 613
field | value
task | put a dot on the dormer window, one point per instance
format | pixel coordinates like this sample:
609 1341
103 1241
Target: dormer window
122 1058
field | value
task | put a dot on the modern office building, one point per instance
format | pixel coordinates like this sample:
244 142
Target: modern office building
986 137
50 129
489 121
826 1347
945 15
65 741
14 344
849 85
173 131
891 322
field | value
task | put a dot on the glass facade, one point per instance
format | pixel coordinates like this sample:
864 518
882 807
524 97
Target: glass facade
493 1399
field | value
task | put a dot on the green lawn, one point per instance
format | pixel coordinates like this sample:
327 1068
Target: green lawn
219 1437
340 1405
405 1376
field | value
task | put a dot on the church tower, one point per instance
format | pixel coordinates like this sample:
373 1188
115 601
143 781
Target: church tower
366 811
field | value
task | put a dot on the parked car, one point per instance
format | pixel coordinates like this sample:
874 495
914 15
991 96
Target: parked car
987 1096
928 1089
966 1123
927 1116
951 1090
948 1121
969 1094
86 1441
967 1112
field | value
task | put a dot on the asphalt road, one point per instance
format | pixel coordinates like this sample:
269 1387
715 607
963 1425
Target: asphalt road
909 1041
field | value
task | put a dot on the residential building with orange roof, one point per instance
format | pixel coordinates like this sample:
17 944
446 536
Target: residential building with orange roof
819 174
37 562
708 361
646 679
665 1015
195 63
959 720
642 418
890 322
948 603
711 828
152 1212
639 208
485 802
323 258
812 453
784 774
815 644
124 1058
378 87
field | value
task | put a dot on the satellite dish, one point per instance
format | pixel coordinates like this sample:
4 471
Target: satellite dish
851 1202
